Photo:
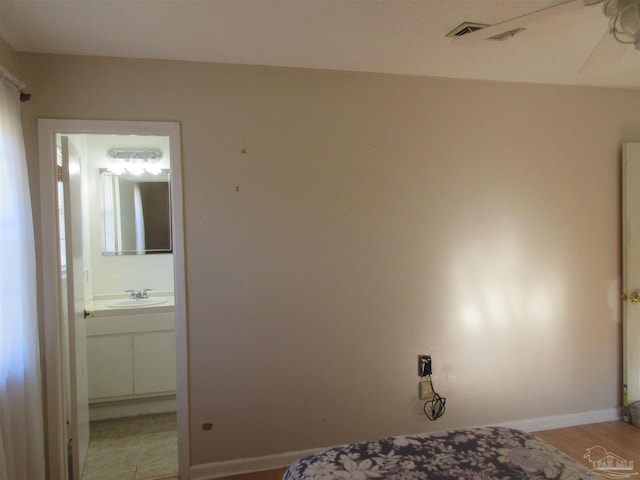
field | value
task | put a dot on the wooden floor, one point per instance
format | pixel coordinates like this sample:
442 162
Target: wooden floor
268 475
619 438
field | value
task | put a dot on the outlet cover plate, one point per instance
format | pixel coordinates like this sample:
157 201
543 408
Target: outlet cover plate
424 365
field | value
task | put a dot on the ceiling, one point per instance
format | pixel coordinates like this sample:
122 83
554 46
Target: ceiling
387 36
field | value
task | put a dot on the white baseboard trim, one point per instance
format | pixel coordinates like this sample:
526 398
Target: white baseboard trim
562 421
247 465
129 408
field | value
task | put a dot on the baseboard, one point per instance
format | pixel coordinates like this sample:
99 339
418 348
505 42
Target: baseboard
562 421
270 462
129 408
247 465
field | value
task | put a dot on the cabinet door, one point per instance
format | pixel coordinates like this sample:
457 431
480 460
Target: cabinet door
110 360
154 362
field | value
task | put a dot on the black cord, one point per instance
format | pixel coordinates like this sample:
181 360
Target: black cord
435 407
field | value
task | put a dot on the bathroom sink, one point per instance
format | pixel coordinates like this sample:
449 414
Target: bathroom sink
136 302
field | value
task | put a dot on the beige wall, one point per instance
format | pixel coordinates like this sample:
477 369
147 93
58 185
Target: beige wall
9 58
371 219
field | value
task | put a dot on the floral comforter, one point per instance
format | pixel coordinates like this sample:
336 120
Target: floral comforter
478 453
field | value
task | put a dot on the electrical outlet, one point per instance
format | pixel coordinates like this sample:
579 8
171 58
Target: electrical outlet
424 365
426 391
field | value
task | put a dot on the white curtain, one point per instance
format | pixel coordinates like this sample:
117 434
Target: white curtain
21 422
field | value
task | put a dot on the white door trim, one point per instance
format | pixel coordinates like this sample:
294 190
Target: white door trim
50 315
630 276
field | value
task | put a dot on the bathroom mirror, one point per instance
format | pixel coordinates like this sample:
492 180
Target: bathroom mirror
136 213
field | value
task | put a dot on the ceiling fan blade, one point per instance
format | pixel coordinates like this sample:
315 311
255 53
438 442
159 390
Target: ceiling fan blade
597 54
609 55
518 22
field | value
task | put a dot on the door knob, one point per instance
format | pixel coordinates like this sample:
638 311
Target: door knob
633 297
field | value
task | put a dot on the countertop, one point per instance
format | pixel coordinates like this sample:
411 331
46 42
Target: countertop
98 306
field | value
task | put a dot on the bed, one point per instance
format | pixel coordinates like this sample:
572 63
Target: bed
476 453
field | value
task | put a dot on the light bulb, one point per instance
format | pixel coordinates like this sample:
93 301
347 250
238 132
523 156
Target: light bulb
117 168
153 169
135 169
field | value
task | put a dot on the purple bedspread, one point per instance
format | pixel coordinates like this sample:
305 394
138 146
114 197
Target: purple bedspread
476 453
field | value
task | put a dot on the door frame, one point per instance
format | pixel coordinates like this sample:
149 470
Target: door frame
50 285
630 256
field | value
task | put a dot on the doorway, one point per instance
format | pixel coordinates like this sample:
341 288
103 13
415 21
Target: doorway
108 273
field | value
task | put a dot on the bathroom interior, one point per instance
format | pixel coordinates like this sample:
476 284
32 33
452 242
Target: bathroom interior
127 347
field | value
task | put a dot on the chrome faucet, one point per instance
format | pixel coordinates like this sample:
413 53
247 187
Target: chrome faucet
138 294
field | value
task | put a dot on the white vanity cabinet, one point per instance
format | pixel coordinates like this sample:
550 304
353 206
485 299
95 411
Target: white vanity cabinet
154 363
131 356
110 364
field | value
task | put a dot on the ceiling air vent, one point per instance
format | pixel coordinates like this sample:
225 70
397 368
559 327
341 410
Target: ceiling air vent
468 27
508 34
464 28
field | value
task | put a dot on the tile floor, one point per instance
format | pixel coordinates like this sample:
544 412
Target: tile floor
133 448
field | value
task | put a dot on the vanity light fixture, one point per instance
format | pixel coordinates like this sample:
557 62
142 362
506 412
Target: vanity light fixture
135 161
